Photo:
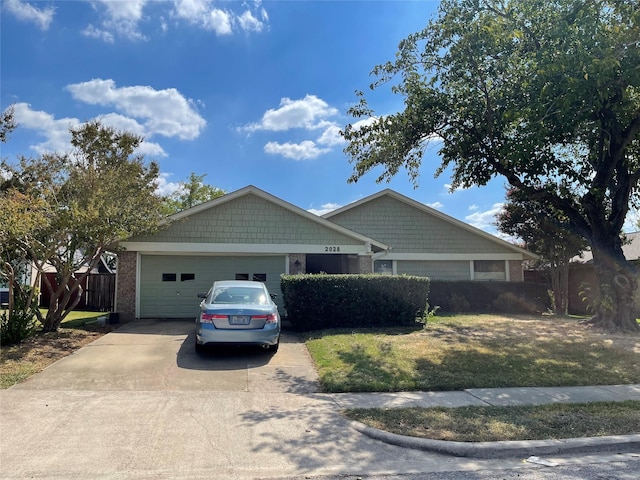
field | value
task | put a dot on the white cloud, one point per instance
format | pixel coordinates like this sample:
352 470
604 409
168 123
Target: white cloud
201 12
121 19
55 132
57 135
120 122
93 32
166 112
485 220
436 205
309 113
325 208
221 21
364 123
306 150
165 187
27 12
190 9
249 23
331 136
150 150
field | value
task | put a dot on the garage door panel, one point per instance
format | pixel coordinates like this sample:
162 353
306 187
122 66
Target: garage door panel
169 284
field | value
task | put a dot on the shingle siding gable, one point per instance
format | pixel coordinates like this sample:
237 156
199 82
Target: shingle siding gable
248 219
410 230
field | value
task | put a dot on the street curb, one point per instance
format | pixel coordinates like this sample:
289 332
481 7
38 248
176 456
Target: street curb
506 449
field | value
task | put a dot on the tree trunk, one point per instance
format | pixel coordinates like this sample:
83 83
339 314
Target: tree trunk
59 306
618 281
559 275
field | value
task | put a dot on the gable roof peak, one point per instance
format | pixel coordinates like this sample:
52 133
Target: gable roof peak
431 211
253 190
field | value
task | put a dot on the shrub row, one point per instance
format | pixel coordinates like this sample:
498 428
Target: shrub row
315 302
489 297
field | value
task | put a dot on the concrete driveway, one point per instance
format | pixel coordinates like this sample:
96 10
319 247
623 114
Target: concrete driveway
150 355
138 403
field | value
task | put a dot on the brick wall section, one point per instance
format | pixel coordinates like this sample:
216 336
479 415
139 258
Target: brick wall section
366 265
516 273
126 285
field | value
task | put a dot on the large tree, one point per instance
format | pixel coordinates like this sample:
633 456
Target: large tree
546 232
546 94
94 197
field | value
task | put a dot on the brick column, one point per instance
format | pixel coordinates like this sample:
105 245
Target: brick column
126 285
515 271
365 264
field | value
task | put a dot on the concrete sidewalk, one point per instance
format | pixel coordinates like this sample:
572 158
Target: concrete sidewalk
490 396
498 397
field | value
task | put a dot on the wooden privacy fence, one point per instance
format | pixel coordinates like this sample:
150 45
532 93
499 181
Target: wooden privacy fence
99 291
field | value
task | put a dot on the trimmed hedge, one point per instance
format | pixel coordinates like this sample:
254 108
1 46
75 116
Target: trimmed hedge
337 301
489 297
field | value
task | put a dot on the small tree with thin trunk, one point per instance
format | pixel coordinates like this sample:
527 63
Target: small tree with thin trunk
94 197
546 232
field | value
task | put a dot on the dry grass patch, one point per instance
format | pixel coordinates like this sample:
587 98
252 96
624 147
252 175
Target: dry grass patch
487 424
474 351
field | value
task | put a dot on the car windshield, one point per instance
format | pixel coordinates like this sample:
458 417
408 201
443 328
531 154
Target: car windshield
237 295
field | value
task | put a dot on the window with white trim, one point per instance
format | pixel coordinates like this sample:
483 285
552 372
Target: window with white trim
489 270
383 267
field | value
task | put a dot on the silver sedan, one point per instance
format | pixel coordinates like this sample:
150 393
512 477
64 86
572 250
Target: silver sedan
236 312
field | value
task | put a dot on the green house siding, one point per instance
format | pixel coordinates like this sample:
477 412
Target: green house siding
248 220
410 230
436 270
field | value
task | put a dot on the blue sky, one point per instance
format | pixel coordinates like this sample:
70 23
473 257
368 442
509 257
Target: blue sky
248 93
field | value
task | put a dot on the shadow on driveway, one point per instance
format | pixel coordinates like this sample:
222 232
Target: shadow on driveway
157 355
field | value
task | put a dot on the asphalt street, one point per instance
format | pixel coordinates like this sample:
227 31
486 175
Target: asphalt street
140 403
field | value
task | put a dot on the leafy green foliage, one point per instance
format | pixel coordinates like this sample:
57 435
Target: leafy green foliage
19 322
545 94
82 204
7 123
547 232
189 194
325 301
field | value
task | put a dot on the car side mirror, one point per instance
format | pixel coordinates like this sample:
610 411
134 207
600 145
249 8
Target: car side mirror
202 295
273 296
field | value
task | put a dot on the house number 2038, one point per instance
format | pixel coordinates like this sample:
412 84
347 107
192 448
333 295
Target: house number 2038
331 249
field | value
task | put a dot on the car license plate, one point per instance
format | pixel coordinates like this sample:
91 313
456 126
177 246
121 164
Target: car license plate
240 320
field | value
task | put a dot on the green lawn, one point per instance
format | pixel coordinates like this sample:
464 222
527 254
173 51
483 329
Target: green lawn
474 351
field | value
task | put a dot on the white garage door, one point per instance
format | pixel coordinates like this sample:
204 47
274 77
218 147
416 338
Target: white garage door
169 284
